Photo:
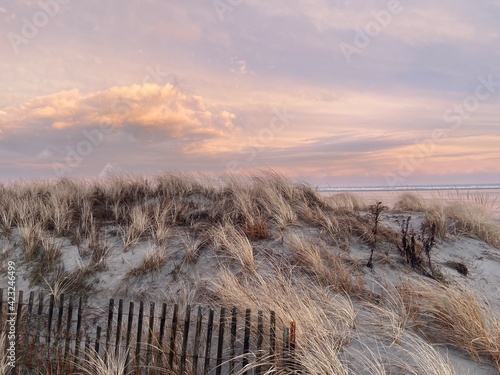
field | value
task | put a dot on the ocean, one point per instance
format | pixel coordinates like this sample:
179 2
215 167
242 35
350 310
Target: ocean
484 195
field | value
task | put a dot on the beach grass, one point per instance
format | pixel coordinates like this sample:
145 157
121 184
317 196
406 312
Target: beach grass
267 243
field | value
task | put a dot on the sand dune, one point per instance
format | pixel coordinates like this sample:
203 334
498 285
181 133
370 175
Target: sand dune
267 243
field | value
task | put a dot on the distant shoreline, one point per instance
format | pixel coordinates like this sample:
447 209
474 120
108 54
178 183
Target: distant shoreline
409 188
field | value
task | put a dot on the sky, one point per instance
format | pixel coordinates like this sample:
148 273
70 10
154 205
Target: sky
335 93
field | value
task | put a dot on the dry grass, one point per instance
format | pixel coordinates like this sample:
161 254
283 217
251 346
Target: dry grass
64 283
154 260
473 220
114 364
424 358
435 215
324 319
191 247
31 237
139 225
5 367
346 201
393 312
48 262
455 317
410 202
306 279
327 267
235 245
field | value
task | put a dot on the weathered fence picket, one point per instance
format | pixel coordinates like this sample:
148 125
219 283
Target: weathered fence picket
61 334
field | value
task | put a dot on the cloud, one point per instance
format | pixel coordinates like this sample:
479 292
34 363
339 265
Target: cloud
161 108
434 26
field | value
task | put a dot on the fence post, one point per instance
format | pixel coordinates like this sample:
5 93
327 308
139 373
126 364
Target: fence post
163 318
232 343
78 333
222 321
49 325
19 312
1 309
97 340
139 335
260 339
109 328
27 329
246 340
68 328
119 327
38 327
272 336
129 332
197 340
208 346
58 330
286 346
173 334
292 343
185 334
150 335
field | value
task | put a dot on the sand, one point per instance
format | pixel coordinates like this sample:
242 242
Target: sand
185 282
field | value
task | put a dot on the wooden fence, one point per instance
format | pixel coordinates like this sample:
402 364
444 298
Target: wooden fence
60 336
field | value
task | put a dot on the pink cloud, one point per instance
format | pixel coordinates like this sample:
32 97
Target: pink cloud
163 108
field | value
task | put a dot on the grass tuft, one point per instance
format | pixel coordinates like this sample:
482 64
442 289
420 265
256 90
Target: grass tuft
410 202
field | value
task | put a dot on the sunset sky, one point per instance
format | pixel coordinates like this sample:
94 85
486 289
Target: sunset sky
339 93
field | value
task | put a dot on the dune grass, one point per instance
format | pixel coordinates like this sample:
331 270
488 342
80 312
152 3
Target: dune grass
470 217
457 317
271 244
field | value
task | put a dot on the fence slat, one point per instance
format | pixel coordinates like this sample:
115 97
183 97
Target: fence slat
119 327
286 346
57 336
246 340
222 321
232 342
49 324
208 346
109 328
97 345
27 328
38 326
68 329
173 333
260 339
163 318
87 348
185 334
129 333
78 333
1 307
139 335
197 341
292 342
19 312
272 336
150 334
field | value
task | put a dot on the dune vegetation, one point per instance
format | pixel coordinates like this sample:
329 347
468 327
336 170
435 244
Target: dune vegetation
364 283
